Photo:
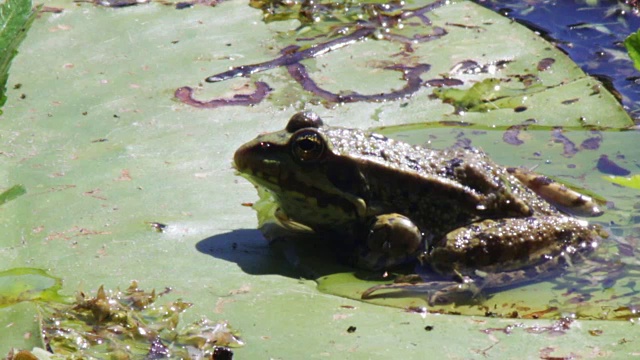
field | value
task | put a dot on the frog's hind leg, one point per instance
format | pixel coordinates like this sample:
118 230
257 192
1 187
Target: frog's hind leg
464 288
492 282
495 254
512 244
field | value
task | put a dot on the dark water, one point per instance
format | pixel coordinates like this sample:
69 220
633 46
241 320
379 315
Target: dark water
592 35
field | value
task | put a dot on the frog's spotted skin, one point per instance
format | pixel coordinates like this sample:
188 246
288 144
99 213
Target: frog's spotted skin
390 203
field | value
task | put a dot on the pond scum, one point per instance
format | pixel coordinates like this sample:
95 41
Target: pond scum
127 325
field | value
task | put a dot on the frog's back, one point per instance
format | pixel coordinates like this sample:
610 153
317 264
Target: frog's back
438 189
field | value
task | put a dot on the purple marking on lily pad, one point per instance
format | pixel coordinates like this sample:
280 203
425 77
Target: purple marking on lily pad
592 143
437 33
443 82
363 30
291 57
510 136
185 95
570 148
411 74
608 166
420 12
466 67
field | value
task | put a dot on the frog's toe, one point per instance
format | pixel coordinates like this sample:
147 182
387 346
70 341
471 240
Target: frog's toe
368 294
449 294
438 292
402 287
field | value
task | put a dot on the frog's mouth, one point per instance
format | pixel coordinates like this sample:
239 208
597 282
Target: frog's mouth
261 165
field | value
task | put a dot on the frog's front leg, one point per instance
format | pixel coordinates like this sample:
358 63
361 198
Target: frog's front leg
392 239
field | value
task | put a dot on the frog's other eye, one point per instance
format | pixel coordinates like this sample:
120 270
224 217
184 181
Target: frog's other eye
303 120
307 146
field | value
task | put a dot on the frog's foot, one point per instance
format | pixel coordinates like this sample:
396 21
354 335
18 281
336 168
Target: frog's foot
393 239
394 234
439 292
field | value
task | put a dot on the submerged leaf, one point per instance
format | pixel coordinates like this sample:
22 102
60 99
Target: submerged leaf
28 284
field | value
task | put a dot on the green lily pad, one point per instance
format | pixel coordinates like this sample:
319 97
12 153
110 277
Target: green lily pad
123 181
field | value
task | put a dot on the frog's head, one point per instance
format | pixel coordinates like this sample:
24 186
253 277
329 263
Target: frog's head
312 184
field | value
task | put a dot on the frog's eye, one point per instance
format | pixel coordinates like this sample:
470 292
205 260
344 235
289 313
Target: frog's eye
307 146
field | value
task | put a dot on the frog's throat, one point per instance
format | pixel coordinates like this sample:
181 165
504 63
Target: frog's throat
289 184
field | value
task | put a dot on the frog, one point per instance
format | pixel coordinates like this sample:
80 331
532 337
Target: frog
452 215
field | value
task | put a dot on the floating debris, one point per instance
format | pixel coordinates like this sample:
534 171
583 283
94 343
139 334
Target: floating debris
129 324
545 64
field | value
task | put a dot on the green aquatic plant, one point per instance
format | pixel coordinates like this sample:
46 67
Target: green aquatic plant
16 17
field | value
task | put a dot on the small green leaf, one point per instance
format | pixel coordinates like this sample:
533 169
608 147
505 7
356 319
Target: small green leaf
12 193
631 181
16 17
632 43
489 94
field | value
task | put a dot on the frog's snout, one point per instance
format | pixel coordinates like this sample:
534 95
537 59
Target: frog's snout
257 157
240 159
249 154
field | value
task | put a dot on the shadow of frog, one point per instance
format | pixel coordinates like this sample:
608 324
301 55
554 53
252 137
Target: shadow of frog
295 258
